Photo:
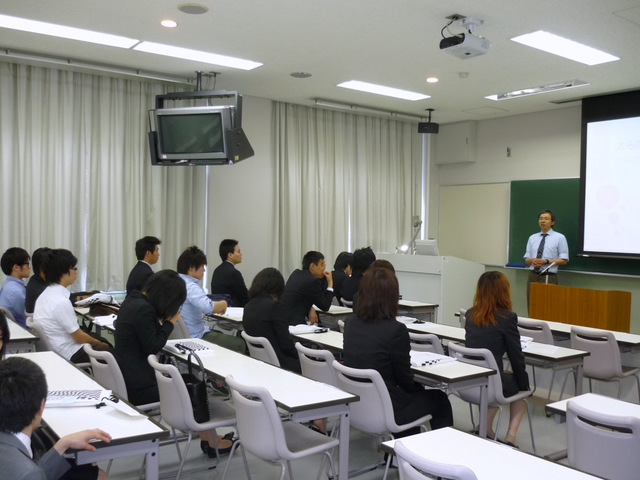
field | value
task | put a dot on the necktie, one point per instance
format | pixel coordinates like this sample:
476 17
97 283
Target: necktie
541 248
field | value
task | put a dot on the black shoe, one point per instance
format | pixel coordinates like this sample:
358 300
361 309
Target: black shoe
229 436
212 451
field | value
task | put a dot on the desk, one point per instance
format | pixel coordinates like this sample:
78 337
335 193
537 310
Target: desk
612 406
451 375
22 340
330 317
304 399
627 342
536 354
488 460
427 311
130 435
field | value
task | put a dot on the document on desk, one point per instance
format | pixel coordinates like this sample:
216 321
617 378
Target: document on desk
234 312
76 398
525 341
298 329
186 345
105 320
419 359
407 320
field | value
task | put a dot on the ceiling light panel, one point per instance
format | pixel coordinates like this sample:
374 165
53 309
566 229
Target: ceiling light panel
196 55
382 90
550 87
551 43
62 31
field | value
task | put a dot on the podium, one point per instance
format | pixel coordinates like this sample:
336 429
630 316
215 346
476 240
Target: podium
604 309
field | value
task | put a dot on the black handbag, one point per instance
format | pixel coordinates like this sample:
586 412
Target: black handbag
197 389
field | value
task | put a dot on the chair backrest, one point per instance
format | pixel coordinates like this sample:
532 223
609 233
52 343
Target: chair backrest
341 325
483 358
536 329
409 463
603 361
42 345
373 414
259 424
180 330
261 349
347 303
106 370
597 445
317 364
463 317
175 404
425 342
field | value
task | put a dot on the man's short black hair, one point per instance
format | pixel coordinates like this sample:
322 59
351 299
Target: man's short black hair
343 260
23 387
146 244
191 257
13 256
362 258
550 212
227 246
59 262
39 258
311 257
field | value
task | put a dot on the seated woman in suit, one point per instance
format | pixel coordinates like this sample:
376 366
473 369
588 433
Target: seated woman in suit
145 321
374 339
265 316
492 325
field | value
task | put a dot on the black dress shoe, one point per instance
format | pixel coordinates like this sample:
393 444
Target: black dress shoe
209 450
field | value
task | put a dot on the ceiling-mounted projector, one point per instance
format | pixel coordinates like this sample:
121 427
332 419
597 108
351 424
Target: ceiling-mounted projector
465 45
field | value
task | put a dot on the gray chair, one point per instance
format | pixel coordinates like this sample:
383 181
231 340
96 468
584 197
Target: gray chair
317 364
43 345
540 332
180 330
603 362
425 342
262 432
410 466
373 414
341 325
463 317
261 349
484 358
106 371
602 443
177 412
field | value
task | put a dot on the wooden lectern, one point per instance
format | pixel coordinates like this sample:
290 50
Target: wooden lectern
605 309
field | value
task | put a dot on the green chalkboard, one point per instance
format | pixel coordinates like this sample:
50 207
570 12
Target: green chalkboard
529 197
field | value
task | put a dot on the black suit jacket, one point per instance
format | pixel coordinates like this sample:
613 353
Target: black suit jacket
228 279
139 274
301 292
500 339
338 279
382 345
265 317
139 334
349 289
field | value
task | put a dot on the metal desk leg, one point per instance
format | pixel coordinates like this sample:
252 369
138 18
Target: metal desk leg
578 375
484 411
152 469
343 448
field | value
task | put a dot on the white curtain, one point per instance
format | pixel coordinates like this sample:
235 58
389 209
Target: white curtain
75 173
345 181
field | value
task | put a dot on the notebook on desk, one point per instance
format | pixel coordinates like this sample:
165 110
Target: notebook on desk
419 359
185 346
76 398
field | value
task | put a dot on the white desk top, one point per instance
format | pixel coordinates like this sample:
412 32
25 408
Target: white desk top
565 328
291 391
415 304
488 460
233 314
445 372
335 310
18 333
593 401
62 375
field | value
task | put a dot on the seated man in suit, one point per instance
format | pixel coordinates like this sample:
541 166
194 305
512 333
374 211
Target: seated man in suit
362 259
226 278
191 265
307 287
37 283
341 271
15 265
23 391
147 253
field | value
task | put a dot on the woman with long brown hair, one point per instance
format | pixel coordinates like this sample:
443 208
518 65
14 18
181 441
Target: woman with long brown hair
492 325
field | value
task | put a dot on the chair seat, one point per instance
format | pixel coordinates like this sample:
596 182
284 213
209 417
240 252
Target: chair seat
303 441
627 371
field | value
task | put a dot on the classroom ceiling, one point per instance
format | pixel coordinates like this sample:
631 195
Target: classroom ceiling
388 42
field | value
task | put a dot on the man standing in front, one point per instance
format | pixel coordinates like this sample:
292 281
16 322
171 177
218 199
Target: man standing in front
307 287
227 279
15 265
543 249
147 253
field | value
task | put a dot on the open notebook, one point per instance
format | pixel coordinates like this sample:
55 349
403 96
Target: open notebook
185 345
428 358
76 398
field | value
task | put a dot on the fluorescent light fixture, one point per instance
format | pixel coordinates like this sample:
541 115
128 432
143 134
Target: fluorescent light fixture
196 55
62 31
564 47
382 90
550 87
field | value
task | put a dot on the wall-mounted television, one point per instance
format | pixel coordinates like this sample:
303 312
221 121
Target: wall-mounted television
198 135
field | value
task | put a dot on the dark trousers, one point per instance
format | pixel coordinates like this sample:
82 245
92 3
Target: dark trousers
433 402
